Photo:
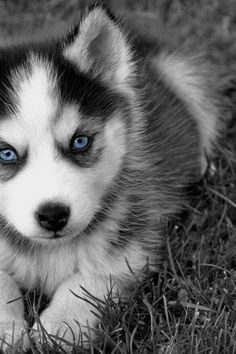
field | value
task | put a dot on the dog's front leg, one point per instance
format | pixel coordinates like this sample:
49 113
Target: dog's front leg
12 324
69 316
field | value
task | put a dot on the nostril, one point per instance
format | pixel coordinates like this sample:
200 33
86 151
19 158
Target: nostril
42 217
53 216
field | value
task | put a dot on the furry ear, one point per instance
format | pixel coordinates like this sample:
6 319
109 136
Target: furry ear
99 48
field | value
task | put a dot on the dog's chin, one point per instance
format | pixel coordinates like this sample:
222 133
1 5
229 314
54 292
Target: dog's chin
55 237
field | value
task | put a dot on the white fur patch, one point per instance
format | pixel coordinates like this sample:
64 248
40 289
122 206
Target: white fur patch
36 97
36 103
38 123
89 257
61 269
187 79
12 323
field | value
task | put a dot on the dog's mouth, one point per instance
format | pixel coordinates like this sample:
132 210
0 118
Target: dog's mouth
55 236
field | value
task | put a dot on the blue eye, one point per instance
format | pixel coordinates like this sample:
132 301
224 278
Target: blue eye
8 156
81 143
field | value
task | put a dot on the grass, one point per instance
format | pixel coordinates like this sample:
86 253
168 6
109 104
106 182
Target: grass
190 306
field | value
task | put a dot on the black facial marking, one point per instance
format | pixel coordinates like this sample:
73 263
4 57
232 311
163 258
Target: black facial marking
10 61
93 97
81 159
75 87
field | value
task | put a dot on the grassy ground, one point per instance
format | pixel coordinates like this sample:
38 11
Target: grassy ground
190 307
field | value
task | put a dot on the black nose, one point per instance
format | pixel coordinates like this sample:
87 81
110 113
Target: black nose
53 216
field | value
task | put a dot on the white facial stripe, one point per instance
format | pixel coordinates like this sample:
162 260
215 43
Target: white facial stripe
36 99
12 133
37 106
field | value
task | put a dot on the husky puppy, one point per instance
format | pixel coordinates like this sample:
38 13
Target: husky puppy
97 143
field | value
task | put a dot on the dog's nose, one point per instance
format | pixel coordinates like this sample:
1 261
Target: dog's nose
53 216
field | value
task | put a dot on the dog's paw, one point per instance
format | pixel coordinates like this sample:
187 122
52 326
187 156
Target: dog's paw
12 334
56 330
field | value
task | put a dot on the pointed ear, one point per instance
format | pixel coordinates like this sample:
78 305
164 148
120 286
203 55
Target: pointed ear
99 47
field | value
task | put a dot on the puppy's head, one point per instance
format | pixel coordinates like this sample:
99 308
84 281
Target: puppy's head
63 118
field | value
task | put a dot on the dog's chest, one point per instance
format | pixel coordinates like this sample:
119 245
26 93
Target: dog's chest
45 271
91 257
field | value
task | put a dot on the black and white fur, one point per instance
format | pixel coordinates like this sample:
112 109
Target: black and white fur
153 122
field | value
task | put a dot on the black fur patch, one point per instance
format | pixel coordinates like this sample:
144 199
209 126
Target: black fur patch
10 60
84 159
94 98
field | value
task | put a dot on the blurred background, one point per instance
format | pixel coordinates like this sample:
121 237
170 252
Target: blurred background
201 22
198 25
